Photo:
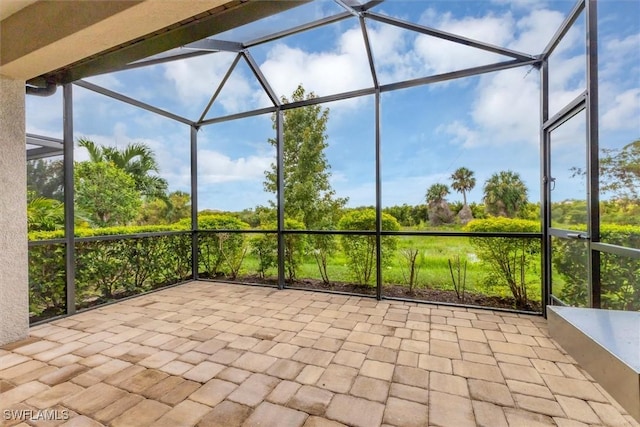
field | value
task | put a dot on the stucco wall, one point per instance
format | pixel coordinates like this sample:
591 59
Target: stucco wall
14 282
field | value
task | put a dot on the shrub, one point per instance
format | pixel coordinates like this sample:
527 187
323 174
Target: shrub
508 258
620 288
295 246
220 253
106 268
411 262
47 279
265 247
361 250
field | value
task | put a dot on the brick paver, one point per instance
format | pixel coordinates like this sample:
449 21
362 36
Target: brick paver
115 409
405 413
227 355
229 414
488 415
450 410
213 392
143 414
355 411
370 388
268 414
311 400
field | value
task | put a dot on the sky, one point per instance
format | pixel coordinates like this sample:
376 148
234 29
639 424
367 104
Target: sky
487 123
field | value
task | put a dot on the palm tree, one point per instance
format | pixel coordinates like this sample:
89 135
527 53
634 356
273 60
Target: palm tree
439 211
505 194
463 181
138 160
44 214
436 193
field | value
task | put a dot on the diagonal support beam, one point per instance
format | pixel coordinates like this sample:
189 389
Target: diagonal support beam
468 72
219 89
169 56
44 147
448 36
299 29
564 29
367 44
261 78
44 141
131 101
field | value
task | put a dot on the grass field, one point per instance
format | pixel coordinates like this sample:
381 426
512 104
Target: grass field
432 265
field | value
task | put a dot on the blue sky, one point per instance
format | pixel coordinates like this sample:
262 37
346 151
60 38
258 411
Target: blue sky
486 123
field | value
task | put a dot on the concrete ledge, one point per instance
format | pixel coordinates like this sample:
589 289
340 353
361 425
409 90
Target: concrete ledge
606 343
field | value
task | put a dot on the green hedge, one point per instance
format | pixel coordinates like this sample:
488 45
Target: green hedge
620 275
265 248
220 254
106 269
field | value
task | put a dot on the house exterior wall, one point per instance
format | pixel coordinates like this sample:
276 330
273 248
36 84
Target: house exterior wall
14 281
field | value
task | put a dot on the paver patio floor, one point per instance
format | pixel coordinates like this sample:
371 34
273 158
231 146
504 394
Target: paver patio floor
211 354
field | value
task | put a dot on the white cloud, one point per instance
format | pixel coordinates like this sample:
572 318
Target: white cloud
460 133
340 69
535 30
620 55
440 56
394 59
624 113
506 107
215 167
196 79
44 114
619 89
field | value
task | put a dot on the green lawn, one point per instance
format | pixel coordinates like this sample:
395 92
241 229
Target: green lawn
432 265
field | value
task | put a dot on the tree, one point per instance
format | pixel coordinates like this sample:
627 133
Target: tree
437 193
463 181
308 195
157 211
46 178
505 194
619 172
44 214
138 160
439 211
105 194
